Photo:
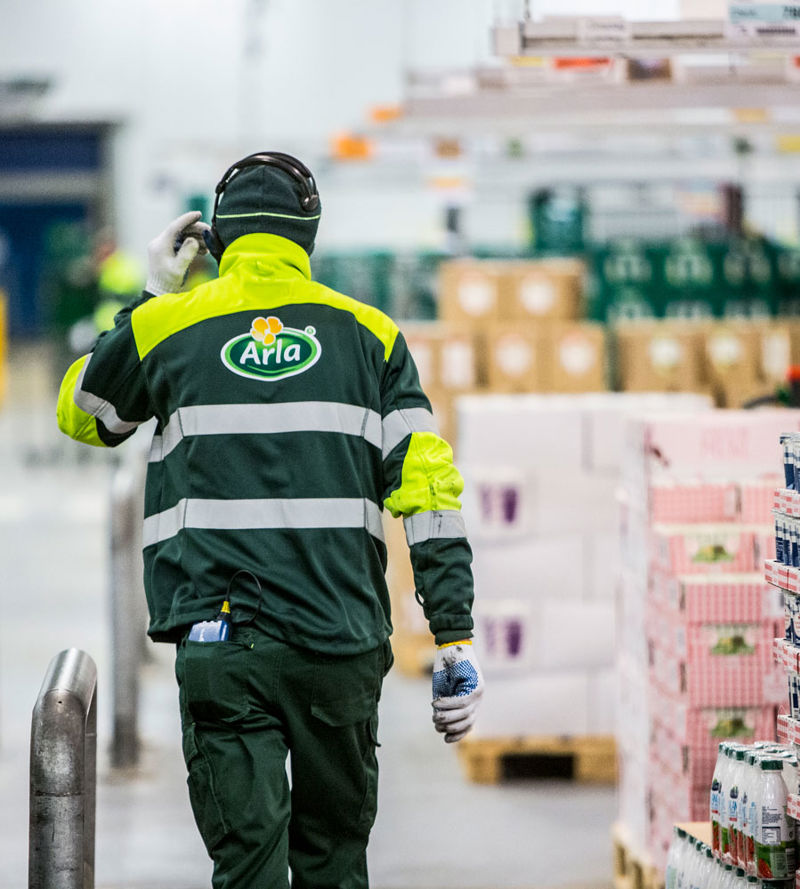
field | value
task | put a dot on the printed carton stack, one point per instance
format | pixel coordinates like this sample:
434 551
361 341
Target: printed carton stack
507 326
783 572
541 475
735 361
695 615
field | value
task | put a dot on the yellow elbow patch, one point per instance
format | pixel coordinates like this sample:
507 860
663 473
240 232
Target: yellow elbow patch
429 479
72 420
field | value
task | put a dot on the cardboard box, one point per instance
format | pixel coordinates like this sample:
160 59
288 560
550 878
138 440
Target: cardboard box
548 289
524 431
602 701
713 444
605 416
505 635
531 570
469 290
703 549
735 681
775 351
444 413
719 598
573 357
731 353
515 361
735 394
544 704
659 357
573 635
446 355
692 500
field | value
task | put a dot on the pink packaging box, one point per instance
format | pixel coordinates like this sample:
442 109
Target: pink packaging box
788 730
702 728
675 795
713 444
756 501
784 577
706 549
786 655
709 646
734 681
739 598
696 501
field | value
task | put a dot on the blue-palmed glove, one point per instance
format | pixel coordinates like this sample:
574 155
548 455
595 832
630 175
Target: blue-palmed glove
457 689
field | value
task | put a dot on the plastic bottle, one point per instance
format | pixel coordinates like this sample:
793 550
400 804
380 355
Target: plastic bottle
752 812
746 792
708 867
674 857
717 873
733 794
774 840
715 796
701 866
728 877
725 781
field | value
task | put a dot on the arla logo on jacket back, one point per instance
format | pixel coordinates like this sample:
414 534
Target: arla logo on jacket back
270 351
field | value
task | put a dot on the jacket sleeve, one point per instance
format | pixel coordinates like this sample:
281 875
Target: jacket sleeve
103 396
422 485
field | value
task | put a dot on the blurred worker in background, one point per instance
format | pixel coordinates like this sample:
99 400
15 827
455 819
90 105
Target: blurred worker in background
287 416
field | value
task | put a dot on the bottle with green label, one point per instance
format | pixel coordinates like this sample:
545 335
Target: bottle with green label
775 831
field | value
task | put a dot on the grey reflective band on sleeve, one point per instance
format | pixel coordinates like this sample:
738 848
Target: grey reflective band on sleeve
239 515
263 419
400 423
434 525
101 409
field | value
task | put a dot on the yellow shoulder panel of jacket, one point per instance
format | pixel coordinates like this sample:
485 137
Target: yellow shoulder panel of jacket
72 420
429 480
162 316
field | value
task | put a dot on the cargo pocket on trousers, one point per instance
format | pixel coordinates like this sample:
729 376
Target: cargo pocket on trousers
217 681
208 813
359 717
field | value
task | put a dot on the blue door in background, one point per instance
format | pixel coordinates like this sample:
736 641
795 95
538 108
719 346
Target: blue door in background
25 232
40 159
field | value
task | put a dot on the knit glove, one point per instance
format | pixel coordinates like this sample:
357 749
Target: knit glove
457 689
170 254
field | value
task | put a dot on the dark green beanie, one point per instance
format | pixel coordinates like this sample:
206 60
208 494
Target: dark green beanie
265 199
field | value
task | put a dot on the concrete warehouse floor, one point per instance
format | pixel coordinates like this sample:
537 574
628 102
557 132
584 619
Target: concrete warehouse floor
434 829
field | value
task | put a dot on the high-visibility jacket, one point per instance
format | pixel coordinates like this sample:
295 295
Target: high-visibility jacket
287 417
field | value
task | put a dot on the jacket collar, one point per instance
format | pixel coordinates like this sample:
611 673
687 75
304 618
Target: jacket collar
272 253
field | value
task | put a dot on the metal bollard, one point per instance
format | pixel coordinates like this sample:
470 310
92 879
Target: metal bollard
128 608
63 775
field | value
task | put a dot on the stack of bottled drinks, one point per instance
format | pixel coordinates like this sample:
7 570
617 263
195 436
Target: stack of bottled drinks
752 837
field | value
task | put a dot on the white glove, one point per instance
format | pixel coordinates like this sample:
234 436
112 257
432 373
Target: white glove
457 689
167 264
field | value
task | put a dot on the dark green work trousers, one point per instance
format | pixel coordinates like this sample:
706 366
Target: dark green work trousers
246 704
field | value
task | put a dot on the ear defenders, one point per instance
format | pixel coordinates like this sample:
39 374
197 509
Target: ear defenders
309 200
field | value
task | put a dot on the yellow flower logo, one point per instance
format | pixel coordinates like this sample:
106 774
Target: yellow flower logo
266 330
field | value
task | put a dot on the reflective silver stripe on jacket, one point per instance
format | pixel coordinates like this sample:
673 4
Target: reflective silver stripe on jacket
434 525
100 408
239 515
260 419
400 423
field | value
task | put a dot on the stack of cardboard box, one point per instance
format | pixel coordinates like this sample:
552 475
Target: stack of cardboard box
695 617
735 361
541 475
507 326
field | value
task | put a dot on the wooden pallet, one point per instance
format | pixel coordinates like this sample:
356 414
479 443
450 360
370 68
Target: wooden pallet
632 868
590 758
